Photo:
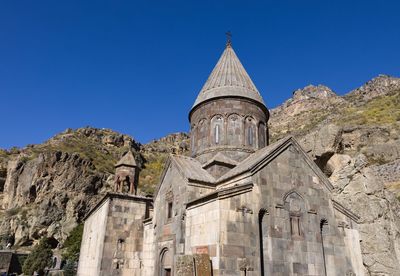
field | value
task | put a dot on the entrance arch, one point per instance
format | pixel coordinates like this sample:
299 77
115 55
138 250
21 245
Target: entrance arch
165 262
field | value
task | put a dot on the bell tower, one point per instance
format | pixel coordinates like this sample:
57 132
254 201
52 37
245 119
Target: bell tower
126 174
229 116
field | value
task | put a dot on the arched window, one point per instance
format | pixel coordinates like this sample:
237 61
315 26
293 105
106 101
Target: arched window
217 126
234 130
217 134
193 135
250 132
262 131
250 135
202 138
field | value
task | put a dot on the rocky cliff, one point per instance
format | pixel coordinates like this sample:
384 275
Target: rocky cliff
47 189
355 140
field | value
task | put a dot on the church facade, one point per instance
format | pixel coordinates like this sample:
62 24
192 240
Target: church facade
237 206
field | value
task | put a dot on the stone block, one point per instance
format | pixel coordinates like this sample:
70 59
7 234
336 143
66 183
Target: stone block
232 251
300 269
184 265
202 265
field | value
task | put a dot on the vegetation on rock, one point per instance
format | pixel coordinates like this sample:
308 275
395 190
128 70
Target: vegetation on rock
39 259
72 244
380 110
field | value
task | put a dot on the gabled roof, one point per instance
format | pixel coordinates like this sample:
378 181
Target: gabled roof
192 169
228 78
258 159
189 168
127 160
220 158
247 164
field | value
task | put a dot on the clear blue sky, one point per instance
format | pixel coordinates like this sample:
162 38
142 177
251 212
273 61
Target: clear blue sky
137 66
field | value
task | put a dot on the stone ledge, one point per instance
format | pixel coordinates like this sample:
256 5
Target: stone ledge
110 196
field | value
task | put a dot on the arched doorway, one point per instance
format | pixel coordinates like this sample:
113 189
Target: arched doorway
165 262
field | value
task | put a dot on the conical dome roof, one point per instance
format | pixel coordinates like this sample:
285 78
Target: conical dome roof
228 78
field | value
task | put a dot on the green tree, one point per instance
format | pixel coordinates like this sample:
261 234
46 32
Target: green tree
69 269
72 244
39 258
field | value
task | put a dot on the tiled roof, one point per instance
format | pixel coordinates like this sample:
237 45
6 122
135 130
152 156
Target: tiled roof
192 169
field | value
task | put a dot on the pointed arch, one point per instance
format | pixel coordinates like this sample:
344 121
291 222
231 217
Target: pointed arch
293 193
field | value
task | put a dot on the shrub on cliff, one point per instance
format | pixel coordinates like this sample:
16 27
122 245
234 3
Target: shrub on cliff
72 244
39 258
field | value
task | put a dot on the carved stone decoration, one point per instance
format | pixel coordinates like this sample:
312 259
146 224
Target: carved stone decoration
295 204
202 265
184 265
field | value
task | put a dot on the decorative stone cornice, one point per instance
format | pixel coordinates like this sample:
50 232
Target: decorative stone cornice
111 196
221 194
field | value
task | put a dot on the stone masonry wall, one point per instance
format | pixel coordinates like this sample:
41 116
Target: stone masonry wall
298 206
123 243
239 231
169 230
234 117
203 232
93 241
148 250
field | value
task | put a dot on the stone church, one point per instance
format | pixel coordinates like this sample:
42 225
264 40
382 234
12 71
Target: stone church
237 206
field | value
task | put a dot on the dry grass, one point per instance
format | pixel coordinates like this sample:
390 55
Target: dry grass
380 110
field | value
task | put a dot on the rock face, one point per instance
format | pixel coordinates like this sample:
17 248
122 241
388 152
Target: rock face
49 194
362 187
173 143
379 86
359 188
45 190
308 107
358 148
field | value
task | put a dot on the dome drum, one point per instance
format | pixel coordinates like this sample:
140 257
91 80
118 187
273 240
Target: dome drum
230 125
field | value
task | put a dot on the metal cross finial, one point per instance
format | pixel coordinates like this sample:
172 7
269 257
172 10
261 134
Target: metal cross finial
228 39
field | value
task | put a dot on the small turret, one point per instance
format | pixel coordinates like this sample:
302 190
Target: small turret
126 174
